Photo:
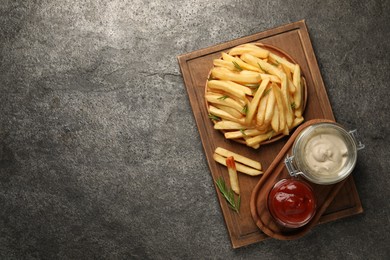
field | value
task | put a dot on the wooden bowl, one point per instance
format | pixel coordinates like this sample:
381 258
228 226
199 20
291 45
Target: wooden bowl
282 54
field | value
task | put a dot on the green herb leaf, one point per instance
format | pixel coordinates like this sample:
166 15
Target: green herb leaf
245 109
238 67
266 92
214 117
271 135
223 97
242 130
228 194
261 67
293 105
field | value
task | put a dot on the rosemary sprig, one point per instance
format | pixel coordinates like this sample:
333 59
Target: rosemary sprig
271 135
214 117
228 195
245 109
293 105
238 67
223 97
261 68
276 63
266 92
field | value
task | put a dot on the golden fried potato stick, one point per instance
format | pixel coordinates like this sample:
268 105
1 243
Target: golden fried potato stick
230 110
243 88
298 86
233 177
228 88
275 119
269 110
224 115
287 71
240 167
239 63
249 48
262 108
252 108
228 125
238 158
225 101
286 97
243 133
224 63
282 109
281 60
258 139
245 77
272 78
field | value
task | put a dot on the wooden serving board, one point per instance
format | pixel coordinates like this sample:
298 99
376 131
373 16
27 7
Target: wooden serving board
293 39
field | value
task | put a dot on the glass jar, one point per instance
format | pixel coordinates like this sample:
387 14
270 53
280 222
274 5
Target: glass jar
324 153
291 202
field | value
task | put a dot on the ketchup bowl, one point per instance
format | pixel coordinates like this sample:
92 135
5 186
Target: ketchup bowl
291 203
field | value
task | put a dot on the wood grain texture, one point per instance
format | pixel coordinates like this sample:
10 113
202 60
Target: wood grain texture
293 39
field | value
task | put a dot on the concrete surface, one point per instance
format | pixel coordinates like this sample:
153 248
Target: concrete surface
100 157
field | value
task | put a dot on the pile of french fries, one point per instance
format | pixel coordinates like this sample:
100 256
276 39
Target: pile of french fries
254 95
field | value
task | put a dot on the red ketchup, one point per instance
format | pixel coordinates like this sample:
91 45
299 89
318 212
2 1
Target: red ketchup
291 203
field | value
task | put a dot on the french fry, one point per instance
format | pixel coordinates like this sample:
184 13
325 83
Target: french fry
243 88
287 70
298 121
275 119
286 97
291 87
272 78
240 167
265 66
228 125
255 146
225 101
269 110
279 59
233 112
228 88
224 63
224 115
239 63
281 107
262 108
222 95
245 77
297 83
252 108
231 166
258 139
249 48
238 158
243 133
263 128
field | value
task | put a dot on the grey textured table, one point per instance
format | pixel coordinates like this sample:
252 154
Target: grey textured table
99 153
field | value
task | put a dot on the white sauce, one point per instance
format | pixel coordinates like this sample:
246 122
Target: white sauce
326 154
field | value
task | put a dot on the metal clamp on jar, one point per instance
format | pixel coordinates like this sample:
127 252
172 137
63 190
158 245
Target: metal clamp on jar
324 153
